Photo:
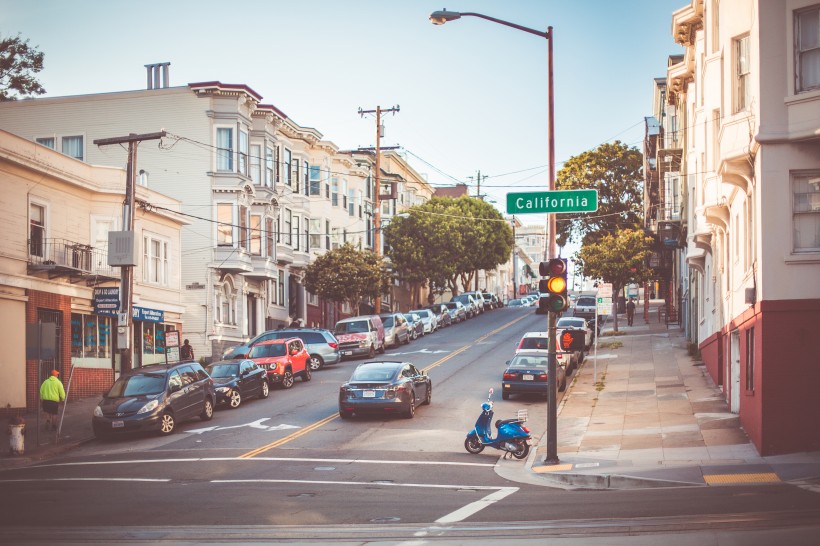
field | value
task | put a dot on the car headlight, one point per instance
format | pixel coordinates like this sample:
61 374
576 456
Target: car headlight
98 412
222 389
150 406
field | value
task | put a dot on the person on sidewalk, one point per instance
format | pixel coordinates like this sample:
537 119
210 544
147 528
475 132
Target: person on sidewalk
186 352
630 311
51 394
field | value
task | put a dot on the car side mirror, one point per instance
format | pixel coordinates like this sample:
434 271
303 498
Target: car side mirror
176 388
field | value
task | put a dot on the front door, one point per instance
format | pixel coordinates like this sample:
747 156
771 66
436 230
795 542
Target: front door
734 363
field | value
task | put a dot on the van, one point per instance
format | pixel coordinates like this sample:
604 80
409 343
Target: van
362 335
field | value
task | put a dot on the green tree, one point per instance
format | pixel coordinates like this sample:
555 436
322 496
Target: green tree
616 171
18 63
348 275
618 258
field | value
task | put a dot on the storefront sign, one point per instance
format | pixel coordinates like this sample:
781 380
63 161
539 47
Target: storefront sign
106 301
148 315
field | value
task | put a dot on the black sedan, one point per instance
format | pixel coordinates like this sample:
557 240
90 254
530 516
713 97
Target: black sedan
385 387
235 380
526 373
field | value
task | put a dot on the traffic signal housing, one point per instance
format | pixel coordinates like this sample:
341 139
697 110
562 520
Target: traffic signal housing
553 287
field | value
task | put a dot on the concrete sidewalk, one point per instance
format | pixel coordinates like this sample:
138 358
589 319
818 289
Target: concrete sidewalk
654 418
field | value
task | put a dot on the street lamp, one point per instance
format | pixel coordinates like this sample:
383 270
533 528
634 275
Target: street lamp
439 18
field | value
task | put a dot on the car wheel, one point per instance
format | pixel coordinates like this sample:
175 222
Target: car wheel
234 398
372 352
429 397
207 410
316 362
307 375
411 410
166 423
505 395
381 349
473 445
265 389
407 339
287 379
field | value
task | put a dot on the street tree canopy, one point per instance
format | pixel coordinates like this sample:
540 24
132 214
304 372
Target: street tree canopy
616 171
346 274
618 258
18 63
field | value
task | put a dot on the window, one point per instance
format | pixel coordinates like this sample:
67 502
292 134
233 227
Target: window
306 189
256 234
807 49
281 287
295 174
306 235
224 226
327 234
224 149
715 25
90 336
226 303
743 65
37 230
48 142
334 192
256 164
315 177
277 167
268 166
269 237
288 159
244 232
351 202
806 211
243 153
155 260
296 240
750 360
73 146
286 230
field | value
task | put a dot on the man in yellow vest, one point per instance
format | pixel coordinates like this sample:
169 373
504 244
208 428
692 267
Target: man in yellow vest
51 394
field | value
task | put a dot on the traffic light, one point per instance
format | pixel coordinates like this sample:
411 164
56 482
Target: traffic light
554 285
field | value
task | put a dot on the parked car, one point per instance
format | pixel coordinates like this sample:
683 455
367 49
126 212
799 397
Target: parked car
361 335
155 398
443 318
320 343
481 304
396 330
428 318
235 380
415 324
584 307
469 304
526 373
495 301
458 313
578 324
515 303
539 341
283 359
396 387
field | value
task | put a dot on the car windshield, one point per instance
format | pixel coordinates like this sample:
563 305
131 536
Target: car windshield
387 321
586 302
137 384
355 327
274 349
571 322
534 343
528 362
423 313
223 370
514 302
374 372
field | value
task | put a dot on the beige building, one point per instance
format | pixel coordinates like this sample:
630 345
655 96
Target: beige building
56 213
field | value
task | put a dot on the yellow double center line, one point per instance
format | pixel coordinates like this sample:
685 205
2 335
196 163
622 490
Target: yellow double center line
310 428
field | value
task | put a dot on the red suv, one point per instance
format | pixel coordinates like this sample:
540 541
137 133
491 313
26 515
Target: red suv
283 359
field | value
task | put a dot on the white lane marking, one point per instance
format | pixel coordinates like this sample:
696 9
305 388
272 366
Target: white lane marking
269 459
807 485
473 507
255 424
87 480
384 484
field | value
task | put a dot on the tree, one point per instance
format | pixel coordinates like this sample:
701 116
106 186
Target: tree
616 171
618 258
18 64
346 274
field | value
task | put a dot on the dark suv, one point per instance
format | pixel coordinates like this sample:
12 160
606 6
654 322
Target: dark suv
155 398
320 343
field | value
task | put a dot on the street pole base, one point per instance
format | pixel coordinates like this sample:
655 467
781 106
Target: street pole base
551 460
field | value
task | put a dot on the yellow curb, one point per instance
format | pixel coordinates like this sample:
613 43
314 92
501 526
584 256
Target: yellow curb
552 468
722 479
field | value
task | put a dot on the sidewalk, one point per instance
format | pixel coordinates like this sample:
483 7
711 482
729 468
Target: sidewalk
654 419
75 429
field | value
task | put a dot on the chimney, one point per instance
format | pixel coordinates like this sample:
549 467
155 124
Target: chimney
157 75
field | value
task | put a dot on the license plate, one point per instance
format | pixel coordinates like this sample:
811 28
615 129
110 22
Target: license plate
368 394
117 424
347 353
527 377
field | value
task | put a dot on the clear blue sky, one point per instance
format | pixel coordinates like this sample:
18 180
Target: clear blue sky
473 94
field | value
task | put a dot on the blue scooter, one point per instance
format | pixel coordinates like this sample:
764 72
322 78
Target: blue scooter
513 437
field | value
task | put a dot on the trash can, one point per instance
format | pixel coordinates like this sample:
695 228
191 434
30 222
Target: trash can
17 436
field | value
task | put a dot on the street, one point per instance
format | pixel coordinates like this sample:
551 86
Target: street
291 461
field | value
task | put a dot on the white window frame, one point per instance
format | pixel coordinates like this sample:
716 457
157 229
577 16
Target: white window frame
156 251
44 229
70 138
269 166
47 141
741 77
242 152
224 151
805 210
256 228
222 227
256 164
812 51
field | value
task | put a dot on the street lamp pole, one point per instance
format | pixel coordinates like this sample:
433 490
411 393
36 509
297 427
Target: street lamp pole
439 18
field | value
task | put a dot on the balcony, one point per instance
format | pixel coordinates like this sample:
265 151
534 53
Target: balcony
232 259
78 262
264 267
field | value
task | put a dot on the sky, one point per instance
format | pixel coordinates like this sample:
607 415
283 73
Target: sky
472 94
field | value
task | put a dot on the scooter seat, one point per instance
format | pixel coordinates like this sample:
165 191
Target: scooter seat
501 422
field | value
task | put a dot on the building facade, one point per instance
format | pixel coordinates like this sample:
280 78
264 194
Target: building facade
748 93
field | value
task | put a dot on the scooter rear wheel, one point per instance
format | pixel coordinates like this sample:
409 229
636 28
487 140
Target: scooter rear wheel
522 451
473 445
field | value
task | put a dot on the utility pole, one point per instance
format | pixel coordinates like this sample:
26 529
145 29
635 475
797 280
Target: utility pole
125 319
377 205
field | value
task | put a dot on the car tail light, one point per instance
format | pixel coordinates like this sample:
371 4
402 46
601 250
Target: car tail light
542 377
333 345
509 376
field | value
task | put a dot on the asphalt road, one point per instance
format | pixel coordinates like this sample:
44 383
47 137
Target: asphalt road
291 461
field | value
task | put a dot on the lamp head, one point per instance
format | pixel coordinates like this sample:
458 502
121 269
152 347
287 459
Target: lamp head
441 17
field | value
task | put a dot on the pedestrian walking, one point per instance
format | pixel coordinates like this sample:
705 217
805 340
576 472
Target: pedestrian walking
630 311
186 352
51 394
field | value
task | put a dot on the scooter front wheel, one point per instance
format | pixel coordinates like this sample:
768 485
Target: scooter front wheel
522 451
473 445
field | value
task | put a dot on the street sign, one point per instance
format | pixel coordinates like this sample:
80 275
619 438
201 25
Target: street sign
552 201
605 290
604 306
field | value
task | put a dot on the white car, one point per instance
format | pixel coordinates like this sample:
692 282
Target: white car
539 342
428 318
577 323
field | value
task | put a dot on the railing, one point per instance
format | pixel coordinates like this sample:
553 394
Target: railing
79 257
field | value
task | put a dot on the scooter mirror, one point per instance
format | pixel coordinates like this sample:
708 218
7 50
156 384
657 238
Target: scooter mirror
491 391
